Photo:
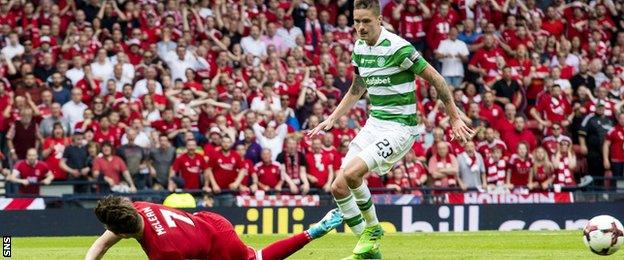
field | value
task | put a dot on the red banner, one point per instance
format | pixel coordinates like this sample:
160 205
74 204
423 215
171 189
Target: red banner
509 198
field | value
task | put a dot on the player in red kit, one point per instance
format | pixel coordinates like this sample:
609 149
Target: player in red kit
171 234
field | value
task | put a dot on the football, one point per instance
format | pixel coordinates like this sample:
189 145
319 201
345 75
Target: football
603 235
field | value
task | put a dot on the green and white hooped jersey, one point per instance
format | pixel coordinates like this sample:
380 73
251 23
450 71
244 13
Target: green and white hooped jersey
388 69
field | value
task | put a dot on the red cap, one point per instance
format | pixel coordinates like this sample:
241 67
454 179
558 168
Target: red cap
412 2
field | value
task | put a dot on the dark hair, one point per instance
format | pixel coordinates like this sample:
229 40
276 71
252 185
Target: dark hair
118 215
372 5
108 144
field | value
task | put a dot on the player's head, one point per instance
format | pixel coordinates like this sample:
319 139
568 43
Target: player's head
367 19
118 216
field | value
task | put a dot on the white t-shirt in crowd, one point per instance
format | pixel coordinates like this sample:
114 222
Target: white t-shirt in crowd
452 66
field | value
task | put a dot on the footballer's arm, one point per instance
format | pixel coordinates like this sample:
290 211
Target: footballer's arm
460 130
357 89
101 245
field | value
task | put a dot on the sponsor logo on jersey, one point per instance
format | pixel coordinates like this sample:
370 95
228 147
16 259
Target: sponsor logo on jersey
376 81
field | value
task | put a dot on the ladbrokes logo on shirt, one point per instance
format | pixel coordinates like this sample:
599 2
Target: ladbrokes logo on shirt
376 81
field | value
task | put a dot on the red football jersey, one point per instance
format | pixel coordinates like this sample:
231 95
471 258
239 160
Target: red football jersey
491 114
486 59
318 166
33 173
616 136
520 170
108 136
268 174
165 127
249 166
339 133
550 143
174 234
54 158
541 174
190 169
413 172
554 109
225 168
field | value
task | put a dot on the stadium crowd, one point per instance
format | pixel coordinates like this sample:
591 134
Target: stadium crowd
219 95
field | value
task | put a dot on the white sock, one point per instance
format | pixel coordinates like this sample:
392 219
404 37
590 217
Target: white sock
352 214
364 202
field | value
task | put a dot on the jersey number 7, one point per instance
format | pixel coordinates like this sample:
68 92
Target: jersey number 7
169 216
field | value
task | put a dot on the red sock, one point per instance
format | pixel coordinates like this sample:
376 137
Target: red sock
285 247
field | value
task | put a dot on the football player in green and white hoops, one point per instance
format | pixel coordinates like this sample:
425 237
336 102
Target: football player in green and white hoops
385 66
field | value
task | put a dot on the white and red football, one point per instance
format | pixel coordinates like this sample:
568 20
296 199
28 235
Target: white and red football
603 235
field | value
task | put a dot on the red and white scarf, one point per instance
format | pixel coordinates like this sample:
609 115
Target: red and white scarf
309 33
292 167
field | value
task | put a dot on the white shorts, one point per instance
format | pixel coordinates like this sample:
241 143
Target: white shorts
381 144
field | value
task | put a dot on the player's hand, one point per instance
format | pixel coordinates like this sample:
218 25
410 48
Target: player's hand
84 171
461 131
24 182
325 125
133 189
46 181
233 186
207 189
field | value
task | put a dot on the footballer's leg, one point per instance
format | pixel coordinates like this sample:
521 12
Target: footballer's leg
286 247
378 157
345 198
369 242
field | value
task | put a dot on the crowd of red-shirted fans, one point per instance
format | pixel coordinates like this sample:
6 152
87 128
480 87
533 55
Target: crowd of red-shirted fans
219 95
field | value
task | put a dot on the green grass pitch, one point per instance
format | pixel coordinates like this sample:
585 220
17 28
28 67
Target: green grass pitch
561 245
